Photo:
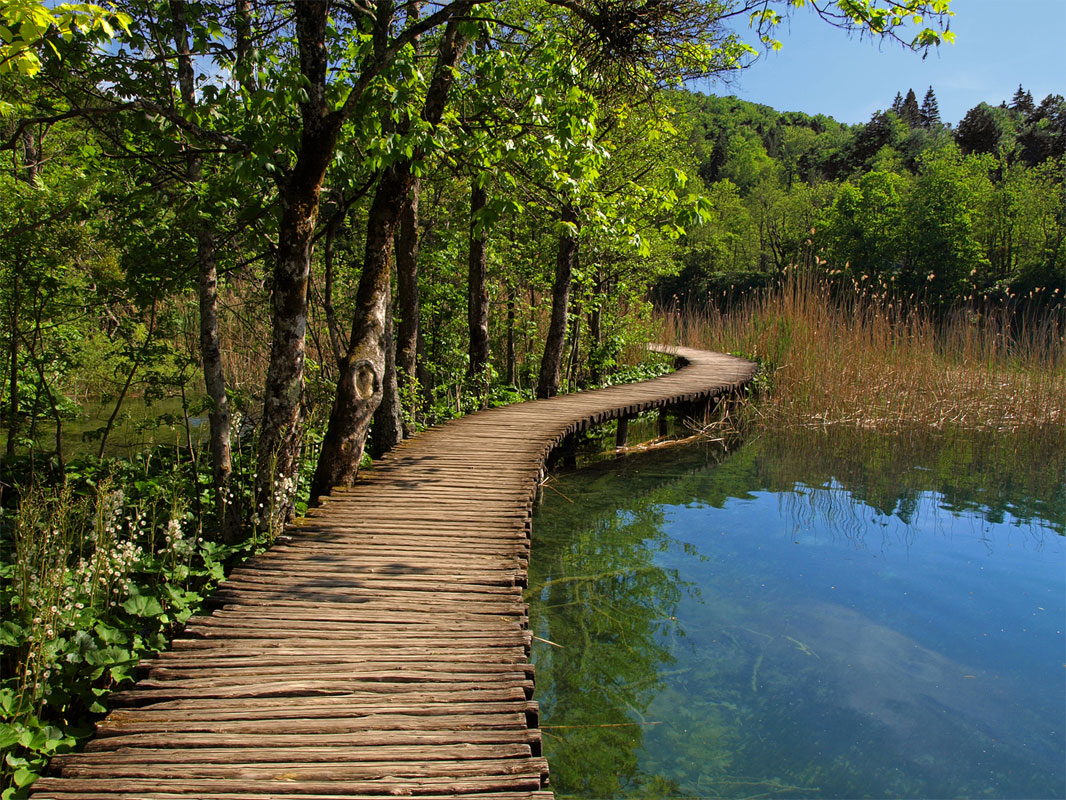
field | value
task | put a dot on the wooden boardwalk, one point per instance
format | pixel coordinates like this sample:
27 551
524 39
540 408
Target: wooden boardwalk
381 647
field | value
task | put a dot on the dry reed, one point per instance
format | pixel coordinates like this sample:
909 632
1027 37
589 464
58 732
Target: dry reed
852 355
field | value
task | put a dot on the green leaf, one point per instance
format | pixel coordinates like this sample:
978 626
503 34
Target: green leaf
143 606
11 634
24 777
109 634
9 734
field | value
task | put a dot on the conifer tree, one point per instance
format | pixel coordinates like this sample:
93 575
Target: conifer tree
910 112
1022 102
930 112
897 104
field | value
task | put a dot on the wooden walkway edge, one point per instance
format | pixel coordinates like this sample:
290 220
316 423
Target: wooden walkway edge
381 647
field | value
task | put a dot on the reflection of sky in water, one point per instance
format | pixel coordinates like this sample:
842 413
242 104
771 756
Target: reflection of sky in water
822 647
942 638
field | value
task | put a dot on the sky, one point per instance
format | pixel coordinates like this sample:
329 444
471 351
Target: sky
999 44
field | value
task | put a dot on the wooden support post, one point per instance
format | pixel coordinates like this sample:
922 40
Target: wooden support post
569 450
622 434
664 421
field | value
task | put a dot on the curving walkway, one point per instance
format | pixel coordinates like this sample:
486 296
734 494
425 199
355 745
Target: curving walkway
381 647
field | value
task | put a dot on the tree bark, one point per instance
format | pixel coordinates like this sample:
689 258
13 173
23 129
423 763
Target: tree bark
477 305
210 341
362 370
596 331
551 363
572 370
298 195
407 300
511 360
327 292
387 431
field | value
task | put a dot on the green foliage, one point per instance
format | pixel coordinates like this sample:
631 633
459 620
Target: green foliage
96 574
934 220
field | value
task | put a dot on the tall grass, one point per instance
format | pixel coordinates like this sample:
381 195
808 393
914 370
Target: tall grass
852 354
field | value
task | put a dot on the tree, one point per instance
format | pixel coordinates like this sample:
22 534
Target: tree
942 248
982 129
1043 134
864 231
30 25
362 368
910 113
930 112
883 130
1022 102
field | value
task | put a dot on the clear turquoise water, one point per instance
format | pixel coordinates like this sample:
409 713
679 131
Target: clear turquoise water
868 617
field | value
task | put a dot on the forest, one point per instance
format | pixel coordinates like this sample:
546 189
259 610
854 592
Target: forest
295 233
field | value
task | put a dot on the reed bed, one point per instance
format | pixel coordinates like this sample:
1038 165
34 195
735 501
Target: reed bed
838 354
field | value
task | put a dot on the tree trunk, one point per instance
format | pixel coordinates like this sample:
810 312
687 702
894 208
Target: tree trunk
551 364
210 342
13 356
332 227
298 196
511 360
408 333
477 305
387 431
407 301
362 373
362 370
572 370
596 339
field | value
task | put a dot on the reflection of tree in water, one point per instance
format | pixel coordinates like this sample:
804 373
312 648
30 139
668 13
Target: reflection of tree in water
596 592
987 474
597 589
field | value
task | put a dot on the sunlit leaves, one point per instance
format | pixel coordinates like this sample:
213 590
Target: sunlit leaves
901 20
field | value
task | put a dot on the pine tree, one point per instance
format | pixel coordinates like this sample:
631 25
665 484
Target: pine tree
911 113
897 104
930 112
1022 102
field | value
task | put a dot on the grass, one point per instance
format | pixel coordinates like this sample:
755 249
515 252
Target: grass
851 355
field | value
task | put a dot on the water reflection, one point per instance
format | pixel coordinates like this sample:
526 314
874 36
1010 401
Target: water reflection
802 621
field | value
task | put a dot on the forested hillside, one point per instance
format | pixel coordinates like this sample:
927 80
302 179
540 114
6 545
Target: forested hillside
946 213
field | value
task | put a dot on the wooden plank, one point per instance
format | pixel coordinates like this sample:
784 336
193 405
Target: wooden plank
369 722
276 755
299 741
164 690
287 786
316 771
346 708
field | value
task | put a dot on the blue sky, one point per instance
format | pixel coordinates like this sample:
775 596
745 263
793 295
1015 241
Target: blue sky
1000 43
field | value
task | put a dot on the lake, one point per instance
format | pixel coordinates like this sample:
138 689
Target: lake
812 615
